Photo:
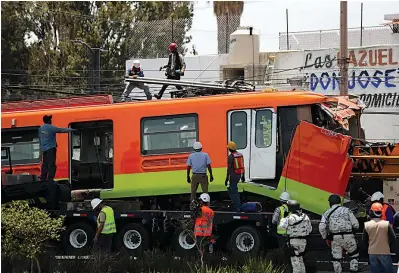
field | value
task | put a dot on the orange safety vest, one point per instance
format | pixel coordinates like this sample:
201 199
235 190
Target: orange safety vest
385 206
238 163
204 223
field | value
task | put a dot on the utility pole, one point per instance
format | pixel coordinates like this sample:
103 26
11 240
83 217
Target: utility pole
343 60
288 40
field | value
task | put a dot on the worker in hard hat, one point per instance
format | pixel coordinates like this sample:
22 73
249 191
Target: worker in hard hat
379 236
337 227
235 173
279 214
133 73
204 222
198 162
106 227
174 68
298 227
387 210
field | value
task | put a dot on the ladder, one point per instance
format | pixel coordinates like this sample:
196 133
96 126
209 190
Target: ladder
192 89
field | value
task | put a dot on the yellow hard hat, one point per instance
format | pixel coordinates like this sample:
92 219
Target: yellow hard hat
232 145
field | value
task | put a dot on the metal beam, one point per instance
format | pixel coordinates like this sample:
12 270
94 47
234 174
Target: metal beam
216 86
343 87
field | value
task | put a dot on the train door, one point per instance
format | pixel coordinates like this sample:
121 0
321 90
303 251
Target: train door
91 155
254 131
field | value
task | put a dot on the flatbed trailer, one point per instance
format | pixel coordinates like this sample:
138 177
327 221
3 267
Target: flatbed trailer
138 230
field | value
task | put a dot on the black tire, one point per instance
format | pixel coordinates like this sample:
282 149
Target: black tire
133 239
78 238
183 242
245 241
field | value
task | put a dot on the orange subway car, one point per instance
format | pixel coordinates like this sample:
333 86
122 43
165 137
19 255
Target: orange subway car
139 149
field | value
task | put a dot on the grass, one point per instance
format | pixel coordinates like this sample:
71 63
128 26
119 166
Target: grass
151 262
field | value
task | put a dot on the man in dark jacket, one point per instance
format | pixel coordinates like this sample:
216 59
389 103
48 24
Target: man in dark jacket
174 69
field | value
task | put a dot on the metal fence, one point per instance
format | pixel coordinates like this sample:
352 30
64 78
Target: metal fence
151 39
330 38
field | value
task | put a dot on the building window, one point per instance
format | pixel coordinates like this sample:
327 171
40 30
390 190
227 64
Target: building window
169 134
24 145
239 129
263 127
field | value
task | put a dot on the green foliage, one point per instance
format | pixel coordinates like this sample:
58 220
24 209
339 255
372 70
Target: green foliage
37 38
25 230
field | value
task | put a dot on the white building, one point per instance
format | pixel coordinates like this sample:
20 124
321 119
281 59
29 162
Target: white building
373 74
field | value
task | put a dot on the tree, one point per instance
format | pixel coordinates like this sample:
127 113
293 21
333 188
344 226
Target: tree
52 61
25 230
228 16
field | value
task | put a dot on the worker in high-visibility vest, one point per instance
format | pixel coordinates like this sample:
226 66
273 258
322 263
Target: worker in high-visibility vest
204 222
235 173
279 214
387 210
106 227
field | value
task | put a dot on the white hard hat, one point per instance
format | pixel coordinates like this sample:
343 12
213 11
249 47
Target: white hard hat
205 197
285 196
95 202
377 196
197 145
136 63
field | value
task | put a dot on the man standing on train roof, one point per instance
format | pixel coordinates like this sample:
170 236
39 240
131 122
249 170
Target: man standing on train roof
135 72
387 210
198 162
235 173
48 145
174 68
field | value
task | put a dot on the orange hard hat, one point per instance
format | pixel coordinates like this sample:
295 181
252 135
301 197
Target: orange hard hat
377 207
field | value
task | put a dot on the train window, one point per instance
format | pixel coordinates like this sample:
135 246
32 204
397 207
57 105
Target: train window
239 129
263 127
24 145
169 134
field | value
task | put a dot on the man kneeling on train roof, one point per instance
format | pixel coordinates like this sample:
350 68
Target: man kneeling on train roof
106 227
387 210
204 222
235 173
198 162
174 68
135 72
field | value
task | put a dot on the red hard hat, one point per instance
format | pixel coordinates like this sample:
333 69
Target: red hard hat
376 207
172 46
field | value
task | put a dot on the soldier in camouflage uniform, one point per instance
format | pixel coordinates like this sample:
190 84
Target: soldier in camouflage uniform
336 227
298 227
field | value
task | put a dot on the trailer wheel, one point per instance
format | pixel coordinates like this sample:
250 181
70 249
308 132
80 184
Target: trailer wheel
133 239
183 241
78 237
245 241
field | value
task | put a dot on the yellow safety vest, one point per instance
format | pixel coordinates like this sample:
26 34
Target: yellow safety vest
109 225
283 209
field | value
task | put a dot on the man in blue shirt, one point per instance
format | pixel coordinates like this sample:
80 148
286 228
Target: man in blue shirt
48 145
198 162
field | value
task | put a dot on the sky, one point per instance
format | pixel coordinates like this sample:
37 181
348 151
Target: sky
269 18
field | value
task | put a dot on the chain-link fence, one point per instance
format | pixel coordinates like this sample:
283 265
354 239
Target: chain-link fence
151 39
330 38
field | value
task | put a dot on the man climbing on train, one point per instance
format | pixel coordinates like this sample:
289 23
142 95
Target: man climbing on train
133 73
204 222
174 68
235 173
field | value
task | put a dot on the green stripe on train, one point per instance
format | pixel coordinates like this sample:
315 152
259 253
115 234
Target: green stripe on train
174 182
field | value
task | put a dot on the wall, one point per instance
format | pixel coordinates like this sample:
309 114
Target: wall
373 75
194 66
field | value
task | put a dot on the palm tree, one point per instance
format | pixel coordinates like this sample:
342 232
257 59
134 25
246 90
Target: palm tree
228 16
